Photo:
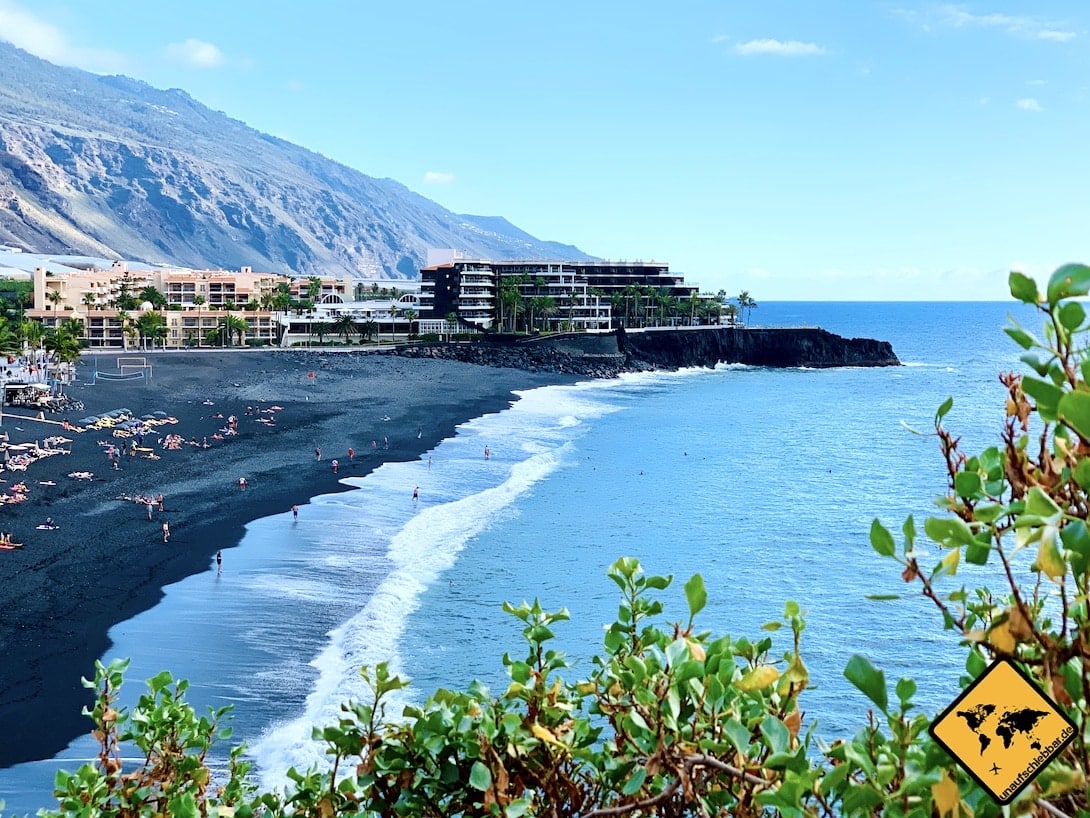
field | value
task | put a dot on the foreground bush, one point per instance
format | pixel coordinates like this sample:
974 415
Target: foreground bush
675 721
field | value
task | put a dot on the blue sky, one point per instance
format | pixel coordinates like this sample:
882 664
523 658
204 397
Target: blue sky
826 150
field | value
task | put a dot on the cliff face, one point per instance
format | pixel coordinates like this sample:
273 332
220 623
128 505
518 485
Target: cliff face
605 356
709 346
113 168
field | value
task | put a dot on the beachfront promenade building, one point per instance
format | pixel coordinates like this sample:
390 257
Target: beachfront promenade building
197 306
568 295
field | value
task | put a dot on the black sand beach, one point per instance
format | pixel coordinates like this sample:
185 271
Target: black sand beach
62 591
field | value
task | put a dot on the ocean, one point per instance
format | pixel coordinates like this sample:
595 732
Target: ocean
763 481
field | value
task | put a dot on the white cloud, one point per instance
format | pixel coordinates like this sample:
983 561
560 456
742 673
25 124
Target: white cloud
1028 27
43 39
195 53
434 177
778 48
1029 104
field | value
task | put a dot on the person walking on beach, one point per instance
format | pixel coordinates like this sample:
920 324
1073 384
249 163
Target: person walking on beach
335 465
295 512
166 531
219 562
317 452
351 454
416 494
487 453
160 501
150 507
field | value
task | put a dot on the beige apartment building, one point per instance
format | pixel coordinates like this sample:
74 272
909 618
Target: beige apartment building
197 301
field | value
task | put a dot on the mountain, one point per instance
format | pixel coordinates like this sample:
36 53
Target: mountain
112 167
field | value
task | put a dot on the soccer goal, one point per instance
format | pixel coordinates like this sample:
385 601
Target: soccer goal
130 366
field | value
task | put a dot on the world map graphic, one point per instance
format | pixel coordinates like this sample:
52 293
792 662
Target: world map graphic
1008 725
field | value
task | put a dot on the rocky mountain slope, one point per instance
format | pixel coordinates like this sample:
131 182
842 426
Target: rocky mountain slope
111 167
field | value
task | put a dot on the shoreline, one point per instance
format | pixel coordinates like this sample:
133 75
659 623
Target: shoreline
106 562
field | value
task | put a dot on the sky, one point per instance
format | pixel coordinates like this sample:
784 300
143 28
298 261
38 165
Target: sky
808 150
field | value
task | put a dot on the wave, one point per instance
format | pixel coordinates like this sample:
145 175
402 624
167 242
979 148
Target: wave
461 495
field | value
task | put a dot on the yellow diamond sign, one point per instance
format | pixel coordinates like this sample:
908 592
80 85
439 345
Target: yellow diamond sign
1003 730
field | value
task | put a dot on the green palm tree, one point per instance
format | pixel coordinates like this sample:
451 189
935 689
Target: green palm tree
230 326
321 329
411 316
345 325
368 329
152 295
88 300
32 333
452 322
150 325
746 303
198 302
9 340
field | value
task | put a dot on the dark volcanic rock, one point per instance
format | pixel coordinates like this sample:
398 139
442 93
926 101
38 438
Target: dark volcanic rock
605 356
708 346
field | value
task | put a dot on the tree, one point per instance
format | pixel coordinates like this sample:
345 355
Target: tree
153 296
745 304
151 325
314 289
32 333
452 323
368 329
125 300
410 316
88 300
198 302
321 329
231 326
346 326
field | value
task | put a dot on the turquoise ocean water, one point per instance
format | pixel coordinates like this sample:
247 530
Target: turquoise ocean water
764 481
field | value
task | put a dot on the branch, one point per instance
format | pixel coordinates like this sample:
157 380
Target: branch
1047 807
690 763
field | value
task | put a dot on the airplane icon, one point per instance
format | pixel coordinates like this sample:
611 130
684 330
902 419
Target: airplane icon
995 769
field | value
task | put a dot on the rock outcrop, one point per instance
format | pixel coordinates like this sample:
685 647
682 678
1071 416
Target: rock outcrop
606 356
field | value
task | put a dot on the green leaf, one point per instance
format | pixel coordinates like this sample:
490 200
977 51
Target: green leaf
881 540
969 485
1022 338
1076 539
1023 288
882 597
906 689
871 681
1046 394
775 733
1035 363
1069 281
949 531
978 553
945 407
1071 315
1041 505
480 777
695 594
1082 473
633 784
1074 410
